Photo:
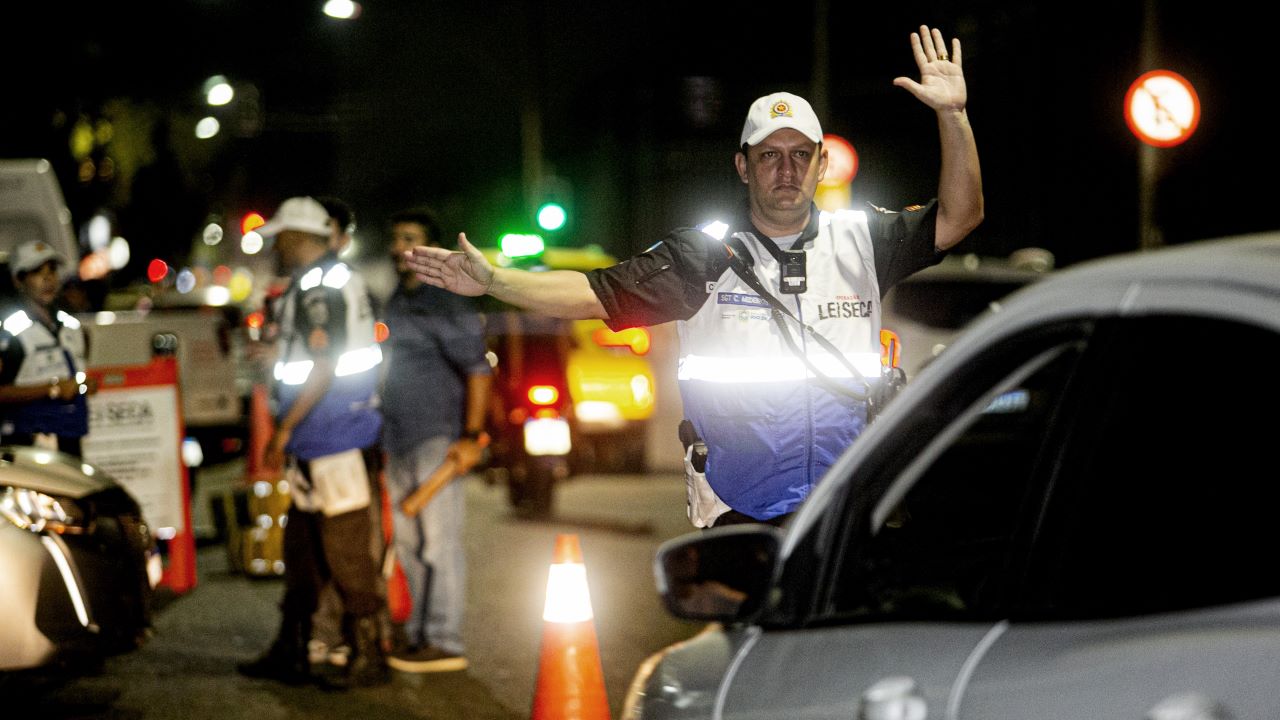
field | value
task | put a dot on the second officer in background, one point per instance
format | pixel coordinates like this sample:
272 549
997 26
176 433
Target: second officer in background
327 425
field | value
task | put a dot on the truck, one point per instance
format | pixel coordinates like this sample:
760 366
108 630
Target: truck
32 207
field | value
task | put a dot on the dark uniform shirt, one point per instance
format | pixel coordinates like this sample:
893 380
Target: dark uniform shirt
668 281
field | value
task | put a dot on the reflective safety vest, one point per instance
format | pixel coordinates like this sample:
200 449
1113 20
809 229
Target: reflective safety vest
771 431
346 417
47 355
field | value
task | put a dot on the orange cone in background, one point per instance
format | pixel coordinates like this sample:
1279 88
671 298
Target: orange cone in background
570 677
399 602
260 429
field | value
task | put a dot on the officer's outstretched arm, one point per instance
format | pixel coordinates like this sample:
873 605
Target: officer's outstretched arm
558 293
942 87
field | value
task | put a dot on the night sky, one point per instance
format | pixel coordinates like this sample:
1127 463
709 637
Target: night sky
640 106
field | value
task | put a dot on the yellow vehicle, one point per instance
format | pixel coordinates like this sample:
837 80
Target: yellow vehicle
612 387
597 383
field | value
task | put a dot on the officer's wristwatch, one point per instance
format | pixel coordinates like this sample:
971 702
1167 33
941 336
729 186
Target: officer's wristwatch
472 435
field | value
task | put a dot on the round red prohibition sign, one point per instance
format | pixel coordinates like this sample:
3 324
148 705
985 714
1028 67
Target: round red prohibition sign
1162 108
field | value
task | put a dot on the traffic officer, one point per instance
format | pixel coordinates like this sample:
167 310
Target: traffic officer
42 358
774 403
327 424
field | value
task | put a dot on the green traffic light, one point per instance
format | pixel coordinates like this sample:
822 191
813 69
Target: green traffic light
552 216
515 245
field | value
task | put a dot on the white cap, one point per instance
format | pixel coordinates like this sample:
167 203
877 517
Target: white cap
776 111
303 214
32 254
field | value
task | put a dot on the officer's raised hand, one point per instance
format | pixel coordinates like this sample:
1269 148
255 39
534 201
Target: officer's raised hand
941 85
464 271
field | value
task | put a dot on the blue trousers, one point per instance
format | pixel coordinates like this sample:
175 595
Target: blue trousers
430 547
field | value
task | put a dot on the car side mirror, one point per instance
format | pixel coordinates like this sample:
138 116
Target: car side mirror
721 575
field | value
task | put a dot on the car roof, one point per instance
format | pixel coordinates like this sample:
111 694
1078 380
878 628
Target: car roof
1235 278
1139 282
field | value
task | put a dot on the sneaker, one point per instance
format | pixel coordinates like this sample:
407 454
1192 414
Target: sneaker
426 659
338 656
317 651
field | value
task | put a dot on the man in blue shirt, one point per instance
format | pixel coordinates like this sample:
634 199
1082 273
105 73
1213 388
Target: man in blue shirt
435 398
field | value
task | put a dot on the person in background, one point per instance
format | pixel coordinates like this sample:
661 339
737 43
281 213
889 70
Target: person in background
326 644
327 425
435 397
43 351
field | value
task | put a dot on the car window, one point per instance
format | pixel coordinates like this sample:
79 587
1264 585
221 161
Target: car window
942 541
1168 494
949 304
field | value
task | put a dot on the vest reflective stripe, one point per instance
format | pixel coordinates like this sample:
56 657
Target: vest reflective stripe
294 373
335 277
351 362
770 433
773 369
16 323
358 361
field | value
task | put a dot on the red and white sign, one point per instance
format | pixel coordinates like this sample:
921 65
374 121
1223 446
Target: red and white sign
135 436
1162 108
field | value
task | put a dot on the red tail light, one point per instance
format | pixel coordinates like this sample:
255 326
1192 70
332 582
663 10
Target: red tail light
543 395
635 338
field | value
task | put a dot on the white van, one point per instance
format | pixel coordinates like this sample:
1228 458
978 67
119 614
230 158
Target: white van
32 208
203 338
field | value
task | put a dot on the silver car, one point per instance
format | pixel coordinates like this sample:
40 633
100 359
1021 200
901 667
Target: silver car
77 563
928 309
1069 514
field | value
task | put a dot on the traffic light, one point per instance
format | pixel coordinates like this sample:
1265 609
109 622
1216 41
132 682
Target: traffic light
553 212
552 216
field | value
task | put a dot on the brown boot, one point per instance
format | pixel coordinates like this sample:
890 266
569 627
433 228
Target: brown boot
286 660
367 666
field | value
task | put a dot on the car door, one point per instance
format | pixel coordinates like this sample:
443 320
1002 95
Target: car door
1151 591
912 566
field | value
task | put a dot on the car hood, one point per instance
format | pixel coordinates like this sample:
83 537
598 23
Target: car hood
51 472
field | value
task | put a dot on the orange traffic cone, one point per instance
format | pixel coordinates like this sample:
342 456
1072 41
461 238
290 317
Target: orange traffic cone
399 602
570 677
260 429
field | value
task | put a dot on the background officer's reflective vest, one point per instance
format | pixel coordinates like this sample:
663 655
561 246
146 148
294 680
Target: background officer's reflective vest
346 417
770 433
47 355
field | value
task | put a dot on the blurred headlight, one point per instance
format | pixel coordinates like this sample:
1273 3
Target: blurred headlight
37 512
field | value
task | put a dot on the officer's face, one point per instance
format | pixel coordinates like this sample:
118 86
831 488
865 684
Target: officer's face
782 171
297 249
41 284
